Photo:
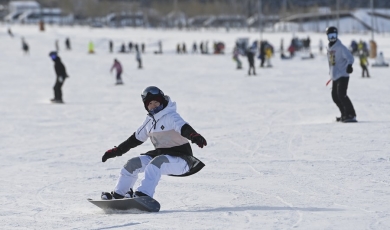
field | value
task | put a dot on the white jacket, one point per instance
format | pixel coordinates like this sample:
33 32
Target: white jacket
164 128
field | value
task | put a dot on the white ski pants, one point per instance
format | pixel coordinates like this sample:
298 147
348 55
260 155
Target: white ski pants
153 168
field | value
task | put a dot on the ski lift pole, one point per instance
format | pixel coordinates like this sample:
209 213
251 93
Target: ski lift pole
372 19
260 19
338 13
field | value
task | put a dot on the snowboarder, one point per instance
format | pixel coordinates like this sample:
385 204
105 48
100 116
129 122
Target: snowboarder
340 66
118 67
172 154
61 75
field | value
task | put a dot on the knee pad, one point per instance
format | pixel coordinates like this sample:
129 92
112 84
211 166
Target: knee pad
158 161
133 164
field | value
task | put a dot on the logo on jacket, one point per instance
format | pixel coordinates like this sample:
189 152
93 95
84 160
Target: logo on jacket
162 127
332 57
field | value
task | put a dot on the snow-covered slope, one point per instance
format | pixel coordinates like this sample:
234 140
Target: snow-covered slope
275 158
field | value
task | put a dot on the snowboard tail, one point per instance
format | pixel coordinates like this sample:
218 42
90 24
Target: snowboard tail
143 203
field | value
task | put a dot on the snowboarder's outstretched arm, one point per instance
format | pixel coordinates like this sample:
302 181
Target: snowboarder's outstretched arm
123 148
188 132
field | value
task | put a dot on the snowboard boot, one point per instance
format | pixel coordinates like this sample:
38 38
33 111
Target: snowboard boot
340 118
349 118
139 194
111 195
60 101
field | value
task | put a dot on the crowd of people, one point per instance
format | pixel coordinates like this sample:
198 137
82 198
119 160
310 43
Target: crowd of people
262 50
218 48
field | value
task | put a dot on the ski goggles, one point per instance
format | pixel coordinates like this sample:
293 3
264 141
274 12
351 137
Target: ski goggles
151 91
332 36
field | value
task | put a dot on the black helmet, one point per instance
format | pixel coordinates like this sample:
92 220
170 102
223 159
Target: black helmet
153 93
332 33
331 29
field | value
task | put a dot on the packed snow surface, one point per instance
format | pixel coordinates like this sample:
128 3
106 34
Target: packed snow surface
275 158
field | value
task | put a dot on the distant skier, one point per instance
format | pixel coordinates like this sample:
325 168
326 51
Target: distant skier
118 67
143 47
25 46
236 58
250 53
262 55
10 33
91 47
160 49
321 46
123 48
364 63
172 155
282 45
268 50
111 46
60 79
130 47
67 44
138 56
340 64
184 48
194 48
57 46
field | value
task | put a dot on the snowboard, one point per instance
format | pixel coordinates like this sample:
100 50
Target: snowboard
143 203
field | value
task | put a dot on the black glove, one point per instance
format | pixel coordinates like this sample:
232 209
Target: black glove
349 69
198 139
114 152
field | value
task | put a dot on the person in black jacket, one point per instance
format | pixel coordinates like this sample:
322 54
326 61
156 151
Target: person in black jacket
250 53
61 75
